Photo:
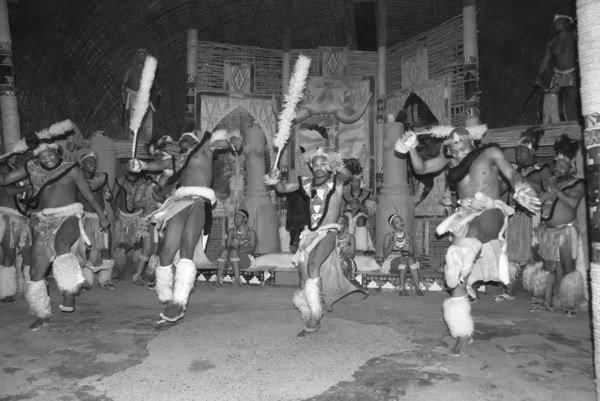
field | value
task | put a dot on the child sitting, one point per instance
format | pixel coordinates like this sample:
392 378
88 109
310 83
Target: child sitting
398 251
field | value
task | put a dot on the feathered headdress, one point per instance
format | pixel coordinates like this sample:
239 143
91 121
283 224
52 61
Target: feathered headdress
159 145
531 138
192 135
83 154
566 148
42 140
559 16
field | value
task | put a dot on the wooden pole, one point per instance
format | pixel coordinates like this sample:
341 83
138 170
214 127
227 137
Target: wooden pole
381 70
192 67
11 132
470 68
290 151
589 64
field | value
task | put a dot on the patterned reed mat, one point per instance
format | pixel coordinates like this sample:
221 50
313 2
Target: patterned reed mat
250 356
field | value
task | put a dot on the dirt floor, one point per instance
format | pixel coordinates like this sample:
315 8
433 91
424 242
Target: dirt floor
241 345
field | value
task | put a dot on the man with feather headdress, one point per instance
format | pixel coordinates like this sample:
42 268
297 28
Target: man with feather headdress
14 229
478 250
57 226
321 276
560 278
181 218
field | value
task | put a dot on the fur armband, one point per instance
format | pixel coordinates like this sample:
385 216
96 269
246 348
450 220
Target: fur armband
404 147
219 135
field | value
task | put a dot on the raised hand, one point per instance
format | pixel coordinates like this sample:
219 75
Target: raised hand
135 165
527 198
236 143
406 142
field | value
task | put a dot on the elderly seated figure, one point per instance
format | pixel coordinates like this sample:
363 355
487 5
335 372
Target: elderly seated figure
241 244
399 252
346 245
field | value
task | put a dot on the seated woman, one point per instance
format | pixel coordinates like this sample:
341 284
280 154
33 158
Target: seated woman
346 245
241 244
398 250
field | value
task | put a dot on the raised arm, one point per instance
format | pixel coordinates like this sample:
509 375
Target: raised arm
135 165
524 193
12 177
434 165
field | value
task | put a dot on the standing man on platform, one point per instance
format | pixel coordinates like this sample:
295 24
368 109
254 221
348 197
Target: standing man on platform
560 52
478 250
130 87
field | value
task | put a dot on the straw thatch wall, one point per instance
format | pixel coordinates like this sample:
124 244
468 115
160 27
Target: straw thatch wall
70 56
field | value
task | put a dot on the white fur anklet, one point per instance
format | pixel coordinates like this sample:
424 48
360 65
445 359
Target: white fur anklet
457 315
313 297
67 273
300 303
164 284
8 281
37 297
185 277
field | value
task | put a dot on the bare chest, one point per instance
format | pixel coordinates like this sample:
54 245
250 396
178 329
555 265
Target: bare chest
482 177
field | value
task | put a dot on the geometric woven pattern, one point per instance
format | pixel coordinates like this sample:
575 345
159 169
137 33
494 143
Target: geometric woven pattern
238 77
333 61
415 69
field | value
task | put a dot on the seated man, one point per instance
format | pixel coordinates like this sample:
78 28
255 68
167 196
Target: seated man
241 244
398 250
346 245
356 201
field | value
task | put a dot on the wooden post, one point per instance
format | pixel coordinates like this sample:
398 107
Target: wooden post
381 69
192 67
470 68
289 151
589 64
8 101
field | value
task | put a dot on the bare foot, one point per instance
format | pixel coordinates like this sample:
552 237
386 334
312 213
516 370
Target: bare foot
38 324
137 281
237 283
419 292
173 312
8 300
307 332
461 343
217 284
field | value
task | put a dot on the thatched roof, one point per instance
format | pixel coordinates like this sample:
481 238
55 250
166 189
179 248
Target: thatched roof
70 55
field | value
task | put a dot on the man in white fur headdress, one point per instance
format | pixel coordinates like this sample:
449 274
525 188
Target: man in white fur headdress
181 218
561 278
96 258
14 231
478 250
358 206
57 226
321 276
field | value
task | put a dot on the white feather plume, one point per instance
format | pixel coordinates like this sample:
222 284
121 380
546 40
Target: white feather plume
294 95
143 98
56 129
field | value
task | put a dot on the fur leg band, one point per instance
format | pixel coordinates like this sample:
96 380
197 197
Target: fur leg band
8 281
313 297
571 291
164 283
67 273
535 279
460 259
105 275
185 277
300 303
457 315
37 297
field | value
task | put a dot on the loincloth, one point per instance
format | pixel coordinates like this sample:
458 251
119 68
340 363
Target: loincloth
493 261
310 239
18 227
147 229
335 285
563 79
519 237
127 227
183 198
396 254
91 225
551 239
47 222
